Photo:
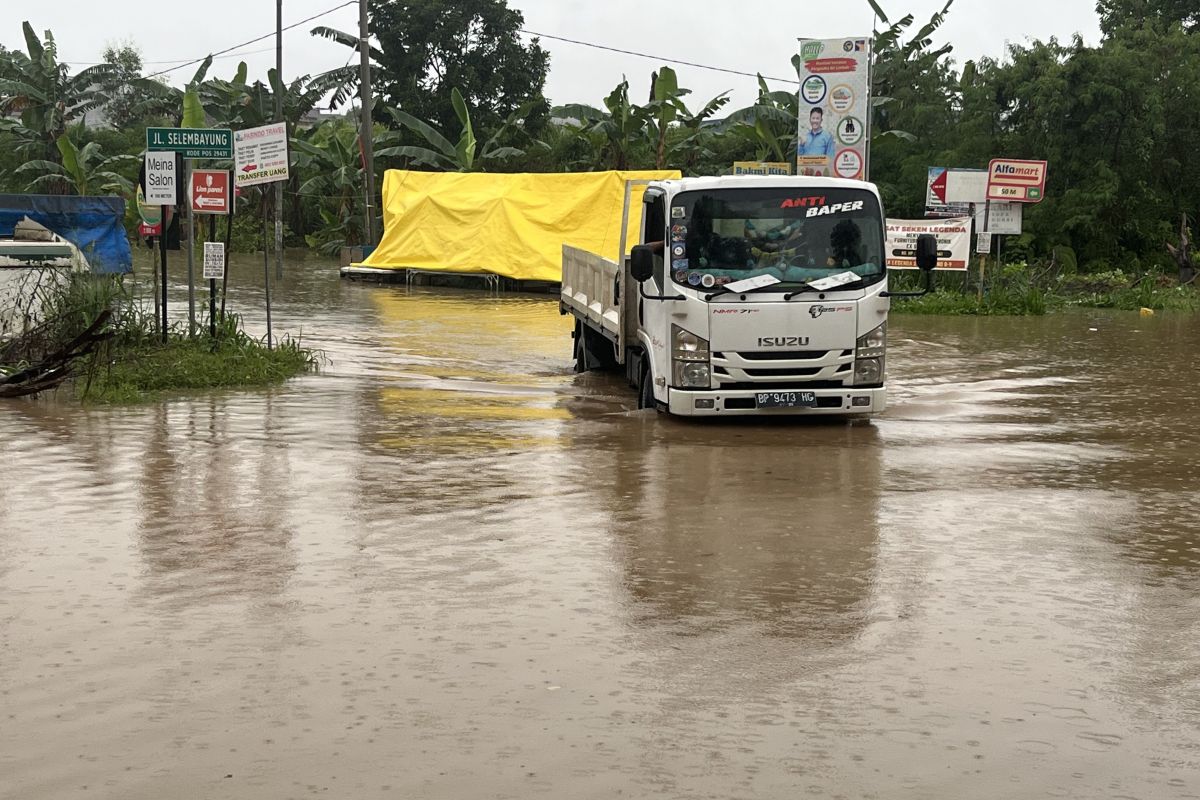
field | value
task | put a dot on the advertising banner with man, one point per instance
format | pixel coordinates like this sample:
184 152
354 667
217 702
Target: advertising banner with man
953 242
835 107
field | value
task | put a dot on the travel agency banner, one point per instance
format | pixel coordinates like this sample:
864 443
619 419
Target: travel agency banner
835 107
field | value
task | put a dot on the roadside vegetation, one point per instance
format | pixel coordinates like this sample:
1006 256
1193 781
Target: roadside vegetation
1117 121
90 337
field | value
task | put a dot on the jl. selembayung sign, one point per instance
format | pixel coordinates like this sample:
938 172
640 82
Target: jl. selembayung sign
953 242
835 107
260 155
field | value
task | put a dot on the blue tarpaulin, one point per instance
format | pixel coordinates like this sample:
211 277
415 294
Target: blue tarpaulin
96 225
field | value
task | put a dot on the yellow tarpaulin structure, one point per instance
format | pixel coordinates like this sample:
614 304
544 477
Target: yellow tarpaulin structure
510 225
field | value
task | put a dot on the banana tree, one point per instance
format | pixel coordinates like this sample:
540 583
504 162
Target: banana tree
666 110
769 126
622 129
330 156
83 169
39 97
466 155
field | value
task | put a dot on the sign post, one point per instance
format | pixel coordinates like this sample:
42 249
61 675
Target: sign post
214 268
162 188
261 156
834 125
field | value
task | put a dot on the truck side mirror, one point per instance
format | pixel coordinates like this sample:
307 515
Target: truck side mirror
641 263
927 252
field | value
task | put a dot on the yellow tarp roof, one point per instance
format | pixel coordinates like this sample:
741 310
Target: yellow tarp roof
512 225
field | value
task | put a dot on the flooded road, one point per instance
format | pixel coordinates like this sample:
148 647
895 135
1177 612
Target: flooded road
448 567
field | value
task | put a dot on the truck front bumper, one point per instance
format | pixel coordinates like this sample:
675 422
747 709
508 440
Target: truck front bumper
743 402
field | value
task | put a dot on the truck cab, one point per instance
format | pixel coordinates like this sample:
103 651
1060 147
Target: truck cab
750 295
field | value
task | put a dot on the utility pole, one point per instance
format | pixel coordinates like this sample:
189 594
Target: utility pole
279 117
368 146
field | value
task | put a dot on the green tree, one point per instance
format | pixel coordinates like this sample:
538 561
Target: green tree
428 48
39 97
466 155
83 171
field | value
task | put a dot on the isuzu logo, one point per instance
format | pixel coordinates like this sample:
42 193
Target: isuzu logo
783 341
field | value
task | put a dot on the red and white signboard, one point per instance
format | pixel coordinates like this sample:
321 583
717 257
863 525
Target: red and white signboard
146 230
209 191
953 242
1015 181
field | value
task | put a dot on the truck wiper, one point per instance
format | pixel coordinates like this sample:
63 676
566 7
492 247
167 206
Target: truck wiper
725 290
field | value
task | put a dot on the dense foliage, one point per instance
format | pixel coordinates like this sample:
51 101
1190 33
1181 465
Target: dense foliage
459 89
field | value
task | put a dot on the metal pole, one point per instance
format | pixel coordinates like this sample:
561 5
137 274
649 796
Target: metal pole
162 251
266 268
279 117
368 146
212 283
191 249
228 240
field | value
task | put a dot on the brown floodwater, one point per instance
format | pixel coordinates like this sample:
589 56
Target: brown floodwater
448 567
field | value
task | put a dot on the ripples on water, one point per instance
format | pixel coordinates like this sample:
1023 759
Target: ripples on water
449 567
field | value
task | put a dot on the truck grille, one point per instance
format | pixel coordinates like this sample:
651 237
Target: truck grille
809 369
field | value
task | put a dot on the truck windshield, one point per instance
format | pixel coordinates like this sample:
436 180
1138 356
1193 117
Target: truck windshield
795 235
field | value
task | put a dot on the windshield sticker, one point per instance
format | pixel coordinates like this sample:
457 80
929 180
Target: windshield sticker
836 208
679 263
678 212
708 281
757 282
678 233
841 279
694 278
677 251
803 202
681 276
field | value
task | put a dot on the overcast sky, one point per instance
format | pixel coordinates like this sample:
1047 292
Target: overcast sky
744 35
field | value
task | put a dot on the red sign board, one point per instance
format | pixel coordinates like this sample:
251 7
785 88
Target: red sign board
209 191
1015 181
147 231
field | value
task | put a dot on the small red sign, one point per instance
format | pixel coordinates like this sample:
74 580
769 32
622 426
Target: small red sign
829 66
149 230
209 191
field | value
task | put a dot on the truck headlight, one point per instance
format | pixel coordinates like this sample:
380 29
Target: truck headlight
687 346
868 371
873 344
690 357
691 375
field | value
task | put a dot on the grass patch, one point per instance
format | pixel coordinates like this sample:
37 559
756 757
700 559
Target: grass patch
132 363
147 370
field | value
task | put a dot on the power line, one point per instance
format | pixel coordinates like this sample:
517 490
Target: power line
172 61
654 57
253 41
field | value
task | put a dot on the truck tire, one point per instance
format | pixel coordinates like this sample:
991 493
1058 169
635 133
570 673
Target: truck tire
646 391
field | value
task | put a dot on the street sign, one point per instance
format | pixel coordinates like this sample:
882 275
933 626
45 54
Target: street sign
146 230
983 243
209 191
261 155
1002 218
162 179
192 142
1016 181
214 261
149 214
950 192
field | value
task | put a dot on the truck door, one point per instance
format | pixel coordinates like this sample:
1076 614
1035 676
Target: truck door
653 314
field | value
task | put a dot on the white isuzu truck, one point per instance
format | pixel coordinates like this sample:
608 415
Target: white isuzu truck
746 295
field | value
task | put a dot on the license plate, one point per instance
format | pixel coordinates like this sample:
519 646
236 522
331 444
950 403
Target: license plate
785 399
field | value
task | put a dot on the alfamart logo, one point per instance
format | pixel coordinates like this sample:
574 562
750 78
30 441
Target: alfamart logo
811 50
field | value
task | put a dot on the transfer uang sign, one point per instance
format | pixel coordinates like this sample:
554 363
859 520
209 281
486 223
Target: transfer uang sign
1015 181
953 242
260 155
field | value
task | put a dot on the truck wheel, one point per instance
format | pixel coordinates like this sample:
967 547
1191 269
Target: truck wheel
646 391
